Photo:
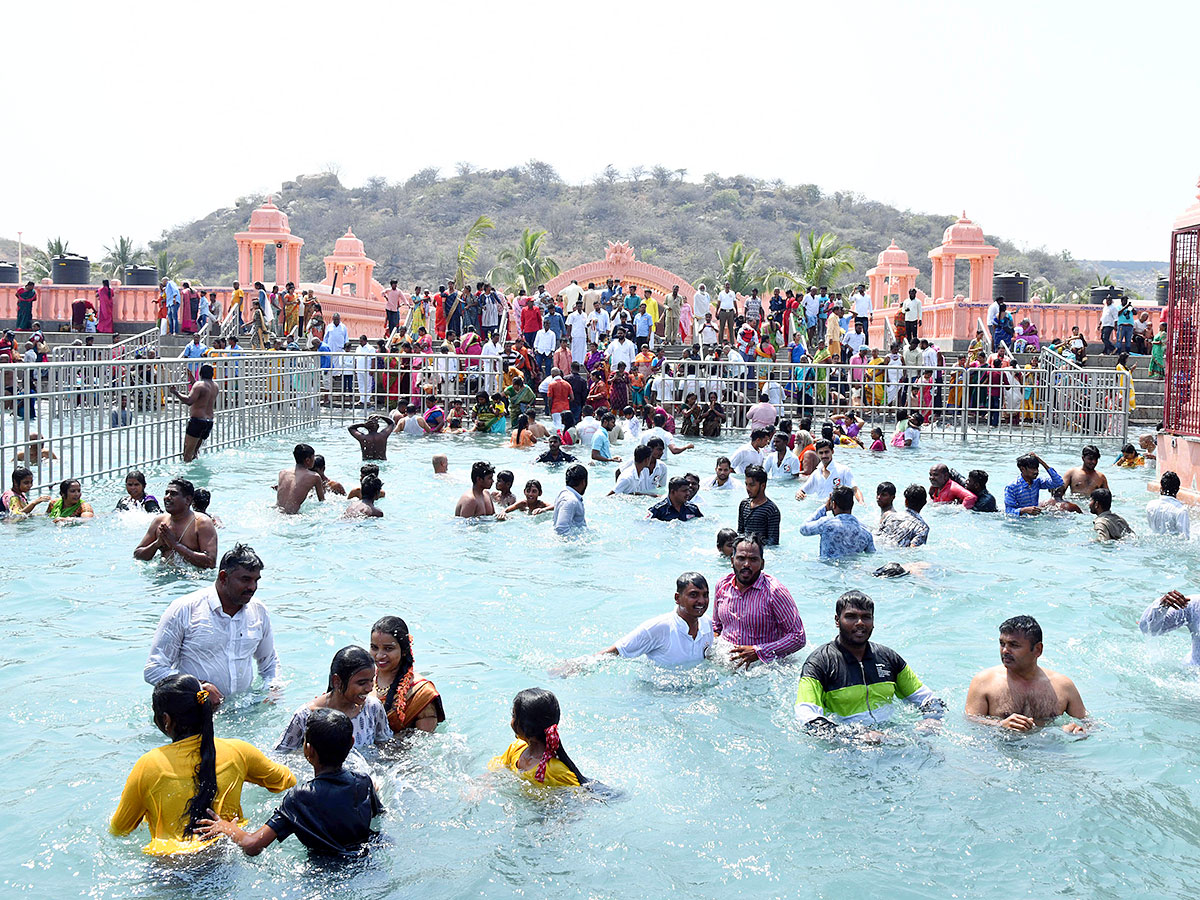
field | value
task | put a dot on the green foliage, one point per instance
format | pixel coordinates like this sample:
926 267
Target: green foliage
740 266
413 227
524 266
37 263
820 261
122 253
171 266
468 251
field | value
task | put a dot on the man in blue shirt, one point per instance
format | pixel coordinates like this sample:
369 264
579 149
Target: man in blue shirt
601 446
1021 498
676 506
643 323
841 533
171 292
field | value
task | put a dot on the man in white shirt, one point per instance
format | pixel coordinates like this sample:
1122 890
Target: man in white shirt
622 350
638 476
362 367
707 332
598 321
726 312
1165 514
1108 324
750 454
862 309
721 480
217 632
490 363
587 427
337 336
572 294
912 314
569 513
828 475
544 344
812 309
993 315
577 328
929 355
675 639
780 462
857 338
701 305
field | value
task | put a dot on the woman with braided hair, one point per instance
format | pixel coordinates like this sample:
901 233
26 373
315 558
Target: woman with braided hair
537 754
410 701
174 786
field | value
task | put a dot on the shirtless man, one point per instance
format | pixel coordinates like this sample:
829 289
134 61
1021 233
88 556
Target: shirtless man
371 438
478 501
1020 695
441 464
367 469
1056 502
331 485
1082 480
180 531
294 484
37 449
365 508
201 398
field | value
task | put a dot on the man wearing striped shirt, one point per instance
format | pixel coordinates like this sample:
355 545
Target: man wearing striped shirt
753 612
1023 496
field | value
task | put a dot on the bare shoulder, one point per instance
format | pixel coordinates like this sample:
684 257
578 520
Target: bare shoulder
989 678
1058 679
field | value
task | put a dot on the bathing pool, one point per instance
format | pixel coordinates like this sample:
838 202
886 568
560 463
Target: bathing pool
721 794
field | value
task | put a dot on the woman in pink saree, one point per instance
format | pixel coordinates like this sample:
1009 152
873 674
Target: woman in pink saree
685 324
104 308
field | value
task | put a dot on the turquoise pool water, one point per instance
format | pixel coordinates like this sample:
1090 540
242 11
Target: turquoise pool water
723 795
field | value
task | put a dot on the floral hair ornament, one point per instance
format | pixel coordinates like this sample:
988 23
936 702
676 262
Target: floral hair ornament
552 745
201 697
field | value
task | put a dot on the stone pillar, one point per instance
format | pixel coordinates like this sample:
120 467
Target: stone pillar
948 276
935 278
294 263
986 275
243 264
256 263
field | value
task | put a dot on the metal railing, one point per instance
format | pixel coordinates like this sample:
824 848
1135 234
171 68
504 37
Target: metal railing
98 418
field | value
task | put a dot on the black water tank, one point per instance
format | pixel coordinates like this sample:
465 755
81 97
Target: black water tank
1160 290
70 269
1012 286
1103 292
9 274
141 275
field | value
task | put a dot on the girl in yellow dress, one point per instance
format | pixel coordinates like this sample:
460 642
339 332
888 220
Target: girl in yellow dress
537 755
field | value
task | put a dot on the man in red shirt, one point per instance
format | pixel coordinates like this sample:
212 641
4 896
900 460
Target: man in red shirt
944 489
559 393
531 320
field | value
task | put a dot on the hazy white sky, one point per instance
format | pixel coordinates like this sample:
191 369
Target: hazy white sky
1069 125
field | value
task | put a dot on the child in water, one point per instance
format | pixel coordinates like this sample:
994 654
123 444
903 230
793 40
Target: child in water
725 541
1130 458
537 755
533 503
330 814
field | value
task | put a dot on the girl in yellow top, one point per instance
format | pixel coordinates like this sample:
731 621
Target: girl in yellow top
174 786
537 754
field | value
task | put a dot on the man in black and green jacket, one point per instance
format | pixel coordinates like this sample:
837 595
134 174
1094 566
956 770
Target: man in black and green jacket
851 681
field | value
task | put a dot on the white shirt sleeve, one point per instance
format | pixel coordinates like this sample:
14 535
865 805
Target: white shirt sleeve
166 646
264 654
640 641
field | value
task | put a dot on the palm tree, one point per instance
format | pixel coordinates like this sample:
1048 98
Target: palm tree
172 267
742 267
1048 293
819 262
468 251
39 260
121 254
523 267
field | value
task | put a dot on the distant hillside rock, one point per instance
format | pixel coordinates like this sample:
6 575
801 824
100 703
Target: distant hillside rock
1138 276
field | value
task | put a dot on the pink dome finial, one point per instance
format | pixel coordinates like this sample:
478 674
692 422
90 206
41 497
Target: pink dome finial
1198 188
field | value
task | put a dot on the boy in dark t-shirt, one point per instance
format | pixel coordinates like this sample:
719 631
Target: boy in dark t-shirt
331 813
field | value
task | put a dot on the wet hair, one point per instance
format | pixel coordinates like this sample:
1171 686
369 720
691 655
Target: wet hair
242 556
885 487
481 470
1103 496
914 497
182 698
185 487
371 486
206 372
759 433
1026 626
690 578
397 628
1129 448
345 663
1168 484
568 420
368 469
659 420
642 453
19 474
200 500
66 486
843 498
135 474
331 735
723 459
301 452
656 443
978 476
824 443
826 434
854 599
890 570
533 483
1028 461
1090 450
535 711
576 474
678 483
724 536
505 475
750 538
755 473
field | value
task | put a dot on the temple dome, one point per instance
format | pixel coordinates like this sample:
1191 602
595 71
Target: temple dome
349 245
893 256
269 217
964 231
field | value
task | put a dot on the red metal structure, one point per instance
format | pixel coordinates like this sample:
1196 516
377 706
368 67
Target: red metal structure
1181 408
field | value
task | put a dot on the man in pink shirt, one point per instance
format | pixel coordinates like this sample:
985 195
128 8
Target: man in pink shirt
944 489
391 306
762 414
753 612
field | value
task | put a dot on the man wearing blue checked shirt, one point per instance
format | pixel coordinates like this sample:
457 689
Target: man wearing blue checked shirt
1021 498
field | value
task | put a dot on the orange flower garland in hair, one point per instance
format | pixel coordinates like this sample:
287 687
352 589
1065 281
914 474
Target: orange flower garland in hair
400 703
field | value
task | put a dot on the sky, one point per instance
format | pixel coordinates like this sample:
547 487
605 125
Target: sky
1064 125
